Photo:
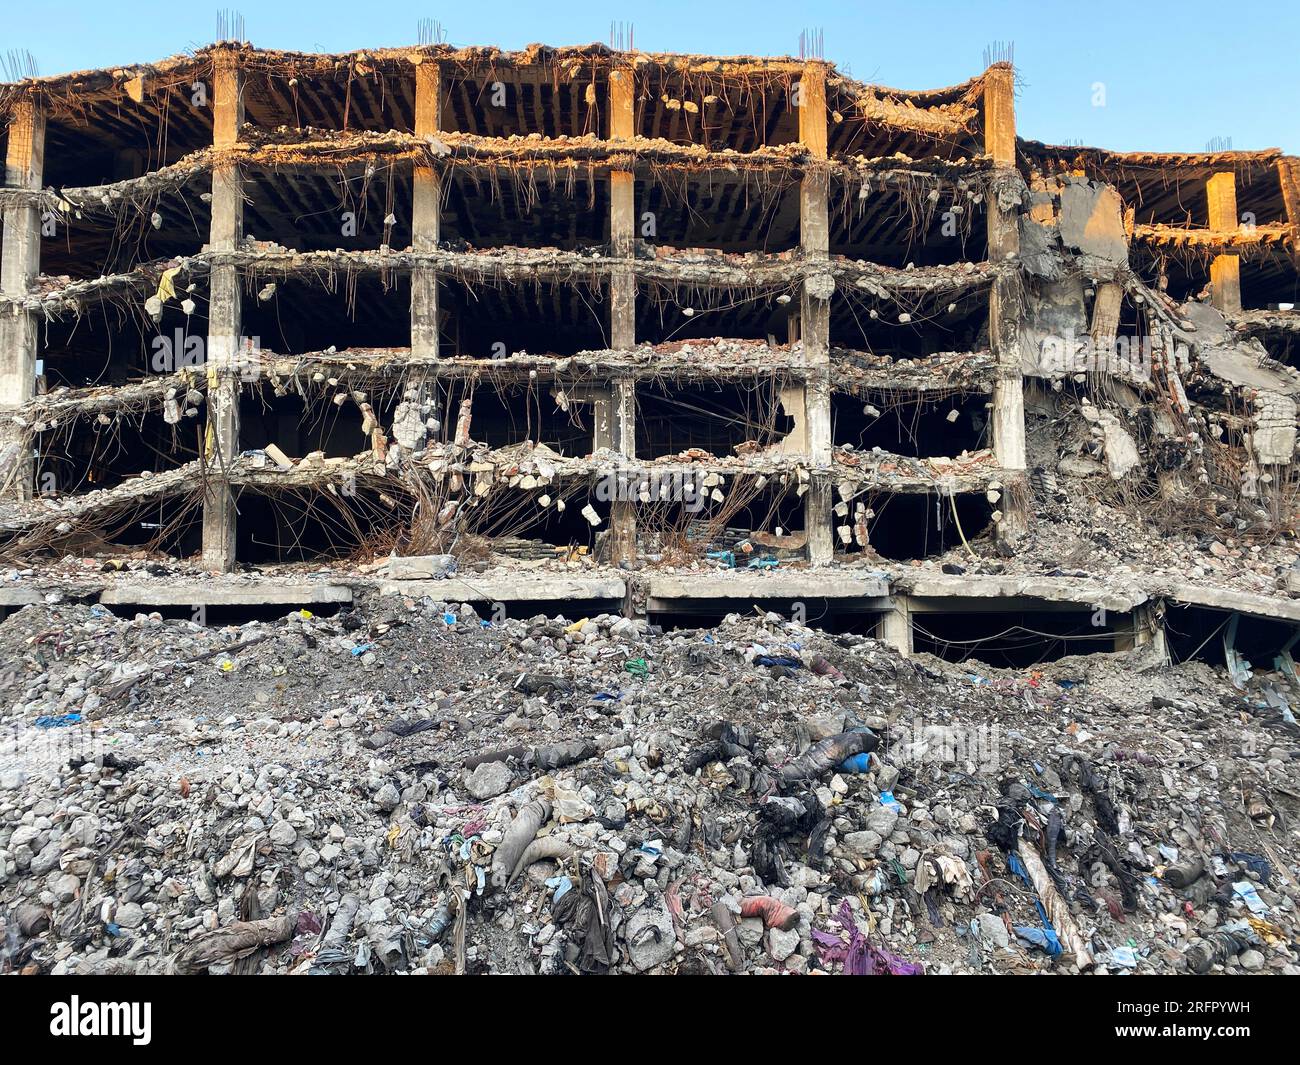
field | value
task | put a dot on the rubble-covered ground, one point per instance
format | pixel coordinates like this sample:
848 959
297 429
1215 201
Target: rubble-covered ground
406 788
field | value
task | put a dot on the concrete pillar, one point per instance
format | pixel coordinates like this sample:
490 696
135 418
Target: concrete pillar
1105 318
224 331
1145 628
622 300
622 216
1225 270
20 262
425 218
815 312
1005 301
1288 172
895 627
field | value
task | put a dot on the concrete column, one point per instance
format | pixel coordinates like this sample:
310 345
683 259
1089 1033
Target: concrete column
20 262
1145 629
622 216
895 627
815 312
425 218
1105 317
1225 270
1005 301
622 299
222 444
623 511
1288 172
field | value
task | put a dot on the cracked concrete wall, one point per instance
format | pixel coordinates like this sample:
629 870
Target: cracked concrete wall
1274 438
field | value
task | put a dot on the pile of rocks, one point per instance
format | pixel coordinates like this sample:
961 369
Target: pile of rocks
407 787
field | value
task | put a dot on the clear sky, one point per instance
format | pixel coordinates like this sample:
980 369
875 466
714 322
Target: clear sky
1167 76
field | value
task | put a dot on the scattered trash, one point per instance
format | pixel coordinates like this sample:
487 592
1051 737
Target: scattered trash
531 796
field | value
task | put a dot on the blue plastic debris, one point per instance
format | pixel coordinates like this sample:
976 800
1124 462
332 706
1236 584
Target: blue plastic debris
859 763
1124 957
361 649
1245 890
1039 793
888 801
449 618
59 721
1042 938
778 660
1051 943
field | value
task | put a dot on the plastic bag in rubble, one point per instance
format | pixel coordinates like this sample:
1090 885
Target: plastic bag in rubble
568 805
588 918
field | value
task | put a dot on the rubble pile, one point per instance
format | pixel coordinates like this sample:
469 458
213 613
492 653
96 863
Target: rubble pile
407 787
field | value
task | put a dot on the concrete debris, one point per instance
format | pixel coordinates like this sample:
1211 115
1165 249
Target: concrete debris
733 801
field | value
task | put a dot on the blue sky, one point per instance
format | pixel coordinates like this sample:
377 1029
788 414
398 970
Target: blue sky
1174 75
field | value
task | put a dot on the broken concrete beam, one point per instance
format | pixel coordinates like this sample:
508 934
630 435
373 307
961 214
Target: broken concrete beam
515 588
214 594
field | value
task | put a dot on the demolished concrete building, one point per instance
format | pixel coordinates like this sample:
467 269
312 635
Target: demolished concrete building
840 426
664 334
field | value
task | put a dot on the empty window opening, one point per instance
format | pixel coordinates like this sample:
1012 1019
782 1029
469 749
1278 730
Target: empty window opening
303 524
914 426
544 523
722 420
112 139
895 226
175 223
507 101
488 321
89 454
380 98
664 315
296 317
354 208
1269 279
112 343
907 525
1011 639
171 526
737 522
525 209
1198 634
504 415
298 427
738 213
911 327
740 114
